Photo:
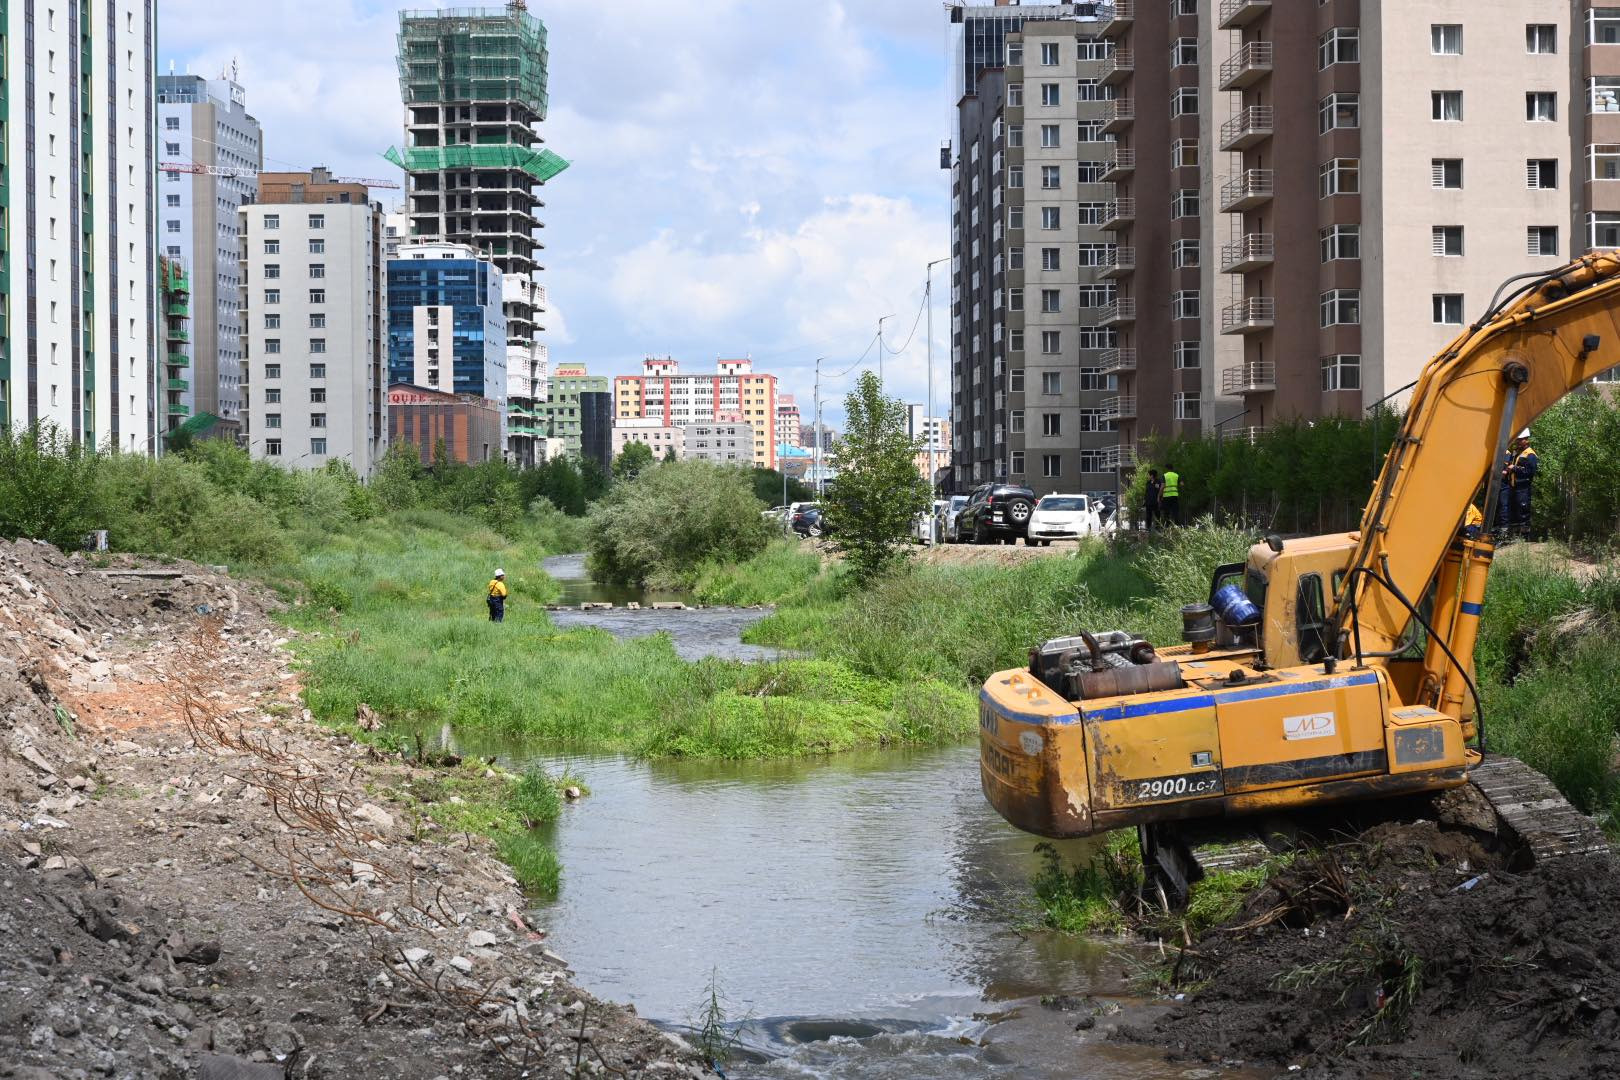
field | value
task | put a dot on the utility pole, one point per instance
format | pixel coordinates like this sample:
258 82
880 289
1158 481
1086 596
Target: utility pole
817 433
880 345
929 421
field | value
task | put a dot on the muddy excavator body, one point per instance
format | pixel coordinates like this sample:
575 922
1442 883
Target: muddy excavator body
1326 669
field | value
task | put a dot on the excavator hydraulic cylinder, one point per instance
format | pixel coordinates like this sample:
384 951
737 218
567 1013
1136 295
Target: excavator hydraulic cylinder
1446 599
1476 568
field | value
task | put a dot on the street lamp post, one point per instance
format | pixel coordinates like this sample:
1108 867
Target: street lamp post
880 346
929 422
816 434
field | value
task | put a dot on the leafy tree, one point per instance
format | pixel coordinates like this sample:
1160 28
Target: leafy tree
632 460
669 454
768 488
878 490
594 480
397 482
559 481
663 525
1577 489
47 486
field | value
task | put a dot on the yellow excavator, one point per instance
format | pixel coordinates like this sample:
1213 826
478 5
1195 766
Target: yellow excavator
1324 669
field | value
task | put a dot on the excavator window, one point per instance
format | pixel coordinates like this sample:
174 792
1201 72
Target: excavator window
1310 612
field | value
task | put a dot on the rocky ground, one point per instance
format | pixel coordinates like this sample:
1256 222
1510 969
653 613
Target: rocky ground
1416 949
196 881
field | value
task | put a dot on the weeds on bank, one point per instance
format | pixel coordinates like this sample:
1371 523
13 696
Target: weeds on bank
1374 962
714 1036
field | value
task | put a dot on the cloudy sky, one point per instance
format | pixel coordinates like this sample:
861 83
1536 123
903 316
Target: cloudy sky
750 177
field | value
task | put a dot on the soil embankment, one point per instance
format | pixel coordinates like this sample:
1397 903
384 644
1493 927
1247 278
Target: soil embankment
1413 950
199 882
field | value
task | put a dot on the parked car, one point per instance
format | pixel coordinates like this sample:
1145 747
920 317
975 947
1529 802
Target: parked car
807 519
998 512
925 525
947 519
776 517
1062 517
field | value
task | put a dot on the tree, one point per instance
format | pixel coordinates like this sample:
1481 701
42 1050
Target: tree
768 488
558 480
663 525
47 487
669 454
878 490
635 457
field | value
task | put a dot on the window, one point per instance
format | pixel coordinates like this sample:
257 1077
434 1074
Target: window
1089 90
272 247
1341 45
1184 304
317 296
1339 112
1341 242
317 247
1183 7
317 221
1051 176
1341 307
1187 406
1185 203
1341 176
272 221
1050 94
1540 38
1049 54
1096 295
1540 105
1015 217
1603 26
1446 240
1098 337
1445 39
317 270
317 446
317 371
272 345
1092 420
1015 258
317 395
317 321
1091 172
1184 102
272 448
1187 355
171 200
1092 49
1184 154
1445 105
1096 254
1017 461
1051 301
1090 131
272 396
1051 342
1183 52
272 420
1093 379
172 226
272 322
272 271
1015 135
1015 54
272 296
1603 94
1604 159
171 123
1051 425
1051 465
272 371
1015 299
1050 139
1541 240
1051 217
1184 253
317 419
1052 383
1341 372
1051 258
1446 172
1448 308
1015 381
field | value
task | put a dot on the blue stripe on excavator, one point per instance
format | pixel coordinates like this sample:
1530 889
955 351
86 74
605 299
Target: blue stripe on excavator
1468 608
1204 701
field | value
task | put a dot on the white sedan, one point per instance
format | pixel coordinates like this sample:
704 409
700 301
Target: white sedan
1062 517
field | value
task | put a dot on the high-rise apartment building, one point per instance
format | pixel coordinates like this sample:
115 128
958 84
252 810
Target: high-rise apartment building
78 267
788 422
578 411
733 392
473 82
205 122
315 365
446 328
1034 322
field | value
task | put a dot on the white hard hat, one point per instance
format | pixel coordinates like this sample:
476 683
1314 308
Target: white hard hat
499 572
1525 434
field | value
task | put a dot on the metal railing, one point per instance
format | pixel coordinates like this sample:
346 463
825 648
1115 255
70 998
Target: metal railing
1256 312
1117 360
1251 249
1121 259
1120 210
1121 310
1253 377
1121 407
1121 62
1254 120
1255 56
1123 161
1249 186
1240 12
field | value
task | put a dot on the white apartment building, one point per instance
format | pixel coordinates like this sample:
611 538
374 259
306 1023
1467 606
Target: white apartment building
732 392
723 442
79 329
527 366
788 422
661 437
315 368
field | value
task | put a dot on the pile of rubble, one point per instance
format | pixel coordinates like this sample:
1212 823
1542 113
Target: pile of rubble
198 881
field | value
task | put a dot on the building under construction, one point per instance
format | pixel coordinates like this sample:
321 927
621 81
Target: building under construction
473 82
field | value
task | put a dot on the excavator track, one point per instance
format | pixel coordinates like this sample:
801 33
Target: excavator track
1528 806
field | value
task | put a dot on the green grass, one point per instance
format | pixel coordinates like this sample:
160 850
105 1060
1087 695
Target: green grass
1090 897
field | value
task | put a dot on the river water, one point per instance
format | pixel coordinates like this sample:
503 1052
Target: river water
855 913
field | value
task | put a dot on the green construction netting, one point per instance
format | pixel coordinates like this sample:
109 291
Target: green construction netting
542 165
473 54
196 425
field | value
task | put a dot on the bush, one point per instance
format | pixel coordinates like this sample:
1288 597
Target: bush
47 487
534 798
660 527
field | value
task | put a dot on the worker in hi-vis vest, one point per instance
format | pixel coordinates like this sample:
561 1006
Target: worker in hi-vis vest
1171 499
496 595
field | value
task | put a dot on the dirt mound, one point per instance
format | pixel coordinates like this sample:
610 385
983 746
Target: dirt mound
199 881
1434 960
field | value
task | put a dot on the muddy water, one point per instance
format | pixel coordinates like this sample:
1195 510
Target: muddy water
855 914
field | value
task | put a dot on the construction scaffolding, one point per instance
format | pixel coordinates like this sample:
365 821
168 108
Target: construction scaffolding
473 54
542 164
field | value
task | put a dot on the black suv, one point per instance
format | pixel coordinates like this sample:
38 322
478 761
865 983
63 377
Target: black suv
996 512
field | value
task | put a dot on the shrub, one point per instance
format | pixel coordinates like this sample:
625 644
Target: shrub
878 490
47 486
670 519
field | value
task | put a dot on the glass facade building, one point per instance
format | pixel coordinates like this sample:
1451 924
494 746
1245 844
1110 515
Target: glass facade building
446 330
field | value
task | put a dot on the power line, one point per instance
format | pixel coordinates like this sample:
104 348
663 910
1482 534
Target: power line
914 324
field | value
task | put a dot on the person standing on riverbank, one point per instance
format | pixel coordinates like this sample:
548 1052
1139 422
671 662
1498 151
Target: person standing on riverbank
1170 496
495 594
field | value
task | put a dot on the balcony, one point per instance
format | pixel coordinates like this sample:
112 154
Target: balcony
1118 115
1247 66
1248 127
1118 67
180 309
1117 360
179 384
177 409
1119 313
1122 456
1247 190
1122 165
1121 263
177 359
1236 14
1119 213
178 333
1249 316
1251 252
1122 407
1255 377
1117 18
